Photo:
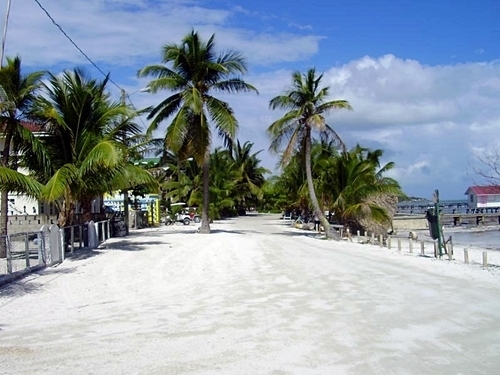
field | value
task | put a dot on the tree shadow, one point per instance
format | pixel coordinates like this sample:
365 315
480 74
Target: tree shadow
125 245
82 255
234 231
310 234
19 289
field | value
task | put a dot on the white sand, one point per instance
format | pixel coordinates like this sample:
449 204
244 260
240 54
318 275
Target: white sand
254 297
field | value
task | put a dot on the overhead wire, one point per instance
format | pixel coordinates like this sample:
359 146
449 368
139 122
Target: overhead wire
85 55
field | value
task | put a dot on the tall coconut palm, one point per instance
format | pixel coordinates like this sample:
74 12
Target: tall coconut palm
306 105
84 141
193 71
17 95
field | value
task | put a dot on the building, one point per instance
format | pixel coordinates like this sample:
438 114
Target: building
483 196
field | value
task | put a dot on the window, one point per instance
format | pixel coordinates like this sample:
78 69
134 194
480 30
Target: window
472 198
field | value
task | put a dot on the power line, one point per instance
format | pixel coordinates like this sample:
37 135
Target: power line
85 55
72 42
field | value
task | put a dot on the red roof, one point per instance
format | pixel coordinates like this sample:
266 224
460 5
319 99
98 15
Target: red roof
31 126
484 190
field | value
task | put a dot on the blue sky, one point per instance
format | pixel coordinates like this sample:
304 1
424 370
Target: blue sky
423 76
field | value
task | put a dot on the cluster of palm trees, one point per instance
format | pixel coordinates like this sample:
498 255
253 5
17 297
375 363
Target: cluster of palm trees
87 142
350 184
236 180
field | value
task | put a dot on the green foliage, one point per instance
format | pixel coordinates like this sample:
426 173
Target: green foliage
193 71
306 106
83 142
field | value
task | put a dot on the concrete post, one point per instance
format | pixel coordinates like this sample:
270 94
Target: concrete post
422 248
485 259
358 236
389 244
399 244
466 256
381 240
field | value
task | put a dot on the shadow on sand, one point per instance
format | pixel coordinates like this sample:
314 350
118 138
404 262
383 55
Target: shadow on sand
19 289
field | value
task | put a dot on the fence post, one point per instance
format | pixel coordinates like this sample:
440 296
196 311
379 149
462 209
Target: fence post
80 235
40 242
27 250
72 235
9 255
62 242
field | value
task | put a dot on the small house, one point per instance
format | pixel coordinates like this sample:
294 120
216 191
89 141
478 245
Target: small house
483 196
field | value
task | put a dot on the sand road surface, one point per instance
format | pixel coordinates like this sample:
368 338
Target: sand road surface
253 297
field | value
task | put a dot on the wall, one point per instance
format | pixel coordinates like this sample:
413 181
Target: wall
401 223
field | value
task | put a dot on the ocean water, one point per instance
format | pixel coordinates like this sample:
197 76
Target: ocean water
488 239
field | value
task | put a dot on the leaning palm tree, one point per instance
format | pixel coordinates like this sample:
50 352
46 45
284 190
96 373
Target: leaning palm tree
306 104
193 71
16 99
84 144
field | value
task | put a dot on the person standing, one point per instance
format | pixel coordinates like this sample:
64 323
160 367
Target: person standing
316 222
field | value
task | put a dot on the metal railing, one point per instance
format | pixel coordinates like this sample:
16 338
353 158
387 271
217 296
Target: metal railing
31 251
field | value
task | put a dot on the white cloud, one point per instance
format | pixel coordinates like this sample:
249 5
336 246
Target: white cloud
432 121
429 119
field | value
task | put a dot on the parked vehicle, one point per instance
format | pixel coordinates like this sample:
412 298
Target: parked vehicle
186 217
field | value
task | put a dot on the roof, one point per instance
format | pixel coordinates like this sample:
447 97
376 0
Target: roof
31 126
483 190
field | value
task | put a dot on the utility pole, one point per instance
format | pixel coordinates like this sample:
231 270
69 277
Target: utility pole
438 219
5 26
125 191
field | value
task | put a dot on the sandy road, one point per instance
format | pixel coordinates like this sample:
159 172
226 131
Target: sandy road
251 298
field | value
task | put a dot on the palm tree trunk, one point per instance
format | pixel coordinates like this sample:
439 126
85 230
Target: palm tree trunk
312 194
205 220
4 204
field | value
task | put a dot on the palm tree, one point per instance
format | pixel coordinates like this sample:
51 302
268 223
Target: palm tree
17 96
194 71
84 141
356 181
250 179
306 104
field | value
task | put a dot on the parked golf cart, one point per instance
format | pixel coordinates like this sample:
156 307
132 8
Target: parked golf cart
185 216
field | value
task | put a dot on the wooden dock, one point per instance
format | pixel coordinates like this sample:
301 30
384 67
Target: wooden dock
487 218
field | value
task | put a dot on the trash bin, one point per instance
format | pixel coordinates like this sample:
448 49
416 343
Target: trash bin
433 224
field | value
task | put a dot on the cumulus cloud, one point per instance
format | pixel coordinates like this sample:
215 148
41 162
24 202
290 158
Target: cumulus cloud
433 121
430 119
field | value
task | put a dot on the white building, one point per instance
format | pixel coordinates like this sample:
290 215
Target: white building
483 196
